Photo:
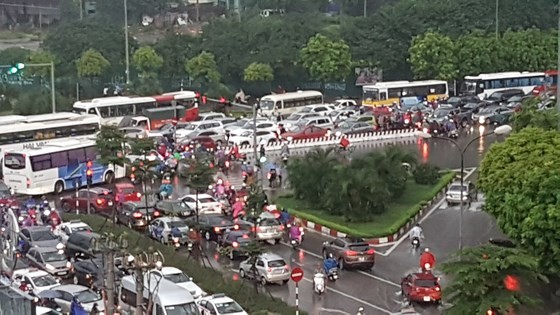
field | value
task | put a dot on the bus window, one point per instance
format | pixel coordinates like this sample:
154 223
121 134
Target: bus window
278 105
91 153
78 155
59 159
123 110
371 95
14 161
159 310
139 108
24 136
128 297
440 89
92 111
382 96
104 112
41 162
395 93
79 110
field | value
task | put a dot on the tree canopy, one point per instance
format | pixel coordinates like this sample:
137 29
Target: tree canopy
147 60
258 72
326 59
91 63
432 56
520 182
491 276
203 68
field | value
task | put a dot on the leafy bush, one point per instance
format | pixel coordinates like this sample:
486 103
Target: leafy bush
209 279
358 189
426 174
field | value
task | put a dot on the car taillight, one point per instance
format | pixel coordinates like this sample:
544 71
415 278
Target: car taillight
235 244
139 195
244 174
257 228
236 227
269 175
287 267
281 228
438 289
351 253
99 201
216 229
137 215
227 164
28 182
106 192
370 251
157 213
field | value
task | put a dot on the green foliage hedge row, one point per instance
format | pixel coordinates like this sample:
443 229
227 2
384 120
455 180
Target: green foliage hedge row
210 280
390 230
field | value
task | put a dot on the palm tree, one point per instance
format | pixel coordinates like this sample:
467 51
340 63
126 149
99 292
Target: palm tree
491 277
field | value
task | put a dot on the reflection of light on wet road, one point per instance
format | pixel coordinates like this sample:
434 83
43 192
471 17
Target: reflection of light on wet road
216 256
425 152
301 255
235 277
481 129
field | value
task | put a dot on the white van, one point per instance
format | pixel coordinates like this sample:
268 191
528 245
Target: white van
193 129
323 109
324 122
168 298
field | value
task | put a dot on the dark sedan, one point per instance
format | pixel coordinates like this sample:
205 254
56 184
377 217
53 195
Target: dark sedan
213 227
174 207
493 114
235 243
353 127
136 215
39 236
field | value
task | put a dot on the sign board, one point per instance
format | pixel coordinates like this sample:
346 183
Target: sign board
297 274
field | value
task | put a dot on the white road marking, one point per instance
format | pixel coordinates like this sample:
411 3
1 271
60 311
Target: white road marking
434 208
360 272
330 310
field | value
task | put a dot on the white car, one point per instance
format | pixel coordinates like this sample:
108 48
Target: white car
242 123
265 125
65 229
344 103
37 280
323 109
160 229
246 138
220 304
292 121
206 203
194 128
178 277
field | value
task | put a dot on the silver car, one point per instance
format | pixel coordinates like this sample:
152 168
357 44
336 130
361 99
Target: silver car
160 229
266 226
453 195
86 296
270 268
50 259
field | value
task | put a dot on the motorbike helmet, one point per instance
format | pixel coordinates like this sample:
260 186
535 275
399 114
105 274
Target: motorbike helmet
331 255
426 250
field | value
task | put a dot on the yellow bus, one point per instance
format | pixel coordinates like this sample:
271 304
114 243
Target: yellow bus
390 93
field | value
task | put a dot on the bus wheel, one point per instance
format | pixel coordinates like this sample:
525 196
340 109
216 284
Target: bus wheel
109 177
58 187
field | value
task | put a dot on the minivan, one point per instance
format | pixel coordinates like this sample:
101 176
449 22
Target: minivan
210 116
195 128
324 122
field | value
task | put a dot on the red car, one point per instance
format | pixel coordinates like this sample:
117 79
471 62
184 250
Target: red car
126 192
421 287
100 200
309 132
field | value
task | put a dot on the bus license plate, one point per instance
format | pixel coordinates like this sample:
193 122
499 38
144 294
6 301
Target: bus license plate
426 299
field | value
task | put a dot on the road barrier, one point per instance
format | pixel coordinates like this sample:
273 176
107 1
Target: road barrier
332 140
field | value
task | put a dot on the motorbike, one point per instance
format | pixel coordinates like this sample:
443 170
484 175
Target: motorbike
319 283
272 176
415 243
295 242
453 134
176 242
225 167
332 274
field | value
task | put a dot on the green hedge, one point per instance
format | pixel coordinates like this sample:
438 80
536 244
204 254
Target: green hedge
210 280
389 230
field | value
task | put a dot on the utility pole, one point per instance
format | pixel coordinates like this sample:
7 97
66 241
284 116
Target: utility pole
365 8
497 18
126 52
198 11
558 87
81 9
139 290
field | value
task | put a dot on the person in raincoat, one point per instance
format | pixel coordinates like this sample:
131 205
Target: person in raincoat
238 208
76 308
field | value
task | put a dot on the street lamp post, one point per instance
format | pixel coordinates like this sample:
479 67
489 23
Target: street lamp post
497 18
502 130
126 52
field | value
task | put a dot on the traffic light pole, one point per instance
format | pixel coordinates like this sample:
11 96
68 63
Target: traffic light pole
88 200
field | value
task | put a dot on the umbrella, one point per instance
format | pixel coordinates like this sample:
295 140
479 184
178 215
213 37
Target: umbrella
49 294
269 166
77 309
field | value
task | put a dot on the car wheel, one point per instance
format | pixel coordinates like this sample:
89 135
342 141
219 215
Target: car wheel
75 280
58 187
207 236
242 273
341 263
245 143
276 241
263 281
271 142
66 207
109 178
285 281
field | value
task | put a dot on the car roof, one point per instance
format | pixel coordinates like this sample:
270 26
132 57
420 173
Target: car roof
220 298
75 223
270 256
97 189
170 270
37 228
71 288
32 273
170 219
211 113
44 249
84 234
424 276
124 185
353 240
199 196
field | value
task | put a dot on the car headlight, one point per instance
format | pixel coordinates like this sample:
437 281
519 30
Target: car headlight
50 267
481 119
68 265
60 246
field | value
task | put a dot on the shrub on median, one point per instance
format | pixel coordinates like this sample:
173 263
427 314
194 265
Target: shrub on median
210 280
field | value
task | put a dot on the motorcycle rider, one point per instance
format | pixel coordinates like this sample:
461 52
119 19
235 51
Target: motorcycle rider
262 151
44 203
284 216
166 189
295 233
273 174
344 143
329 263
416 232
427 260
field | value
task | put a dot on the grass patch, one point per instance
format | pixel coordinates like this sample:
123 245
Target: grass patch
415 197
210 280
13 35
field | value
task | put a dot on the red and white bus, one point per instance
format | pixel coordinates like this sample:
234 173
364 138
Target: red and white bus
550 82
113 109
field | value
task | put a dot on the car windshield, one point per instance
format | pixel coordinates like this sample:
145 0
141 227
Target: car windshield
246 134
295 117
53 256
44 281
269 222
190 127
177 277
266 105
228 307
487 110
495 96
220 221
306 110
127 190
42 236
457 188
440 113
81 228
425 283
87 296
240 123
177 224
454 100
471 105
515 99
359 247
206 200
345 125
276 263
183 309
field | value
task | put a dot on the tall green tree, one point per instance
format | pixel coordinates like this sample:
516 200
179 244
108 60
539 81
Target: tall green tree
146 60
531 116
40 57
13 55
486 277
478 52
258 72
199 174
326 59
432 56
110 144
176 50
91 64
203 68
520 183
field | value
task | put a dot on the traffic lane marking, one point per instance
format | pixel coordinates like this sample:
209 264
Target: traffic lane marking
434 208
359 271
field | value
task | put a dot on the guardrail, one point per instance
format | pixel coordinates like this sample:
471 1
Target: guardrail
326 141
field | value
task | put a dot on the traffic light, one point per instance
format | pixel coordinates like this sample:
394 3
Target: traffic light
204 99
225 101
89 172
197 98
16 68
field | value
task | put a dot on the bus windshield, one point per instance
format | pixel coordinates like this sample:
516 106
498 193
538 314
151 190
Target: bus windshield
183 309
469 87
371 95
267 105
14 161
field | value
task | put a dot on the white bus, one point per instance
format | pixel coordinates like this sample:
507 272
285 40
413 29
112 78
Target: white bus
289 102
113 109
390 93
23 132
167 297
55 167
485 84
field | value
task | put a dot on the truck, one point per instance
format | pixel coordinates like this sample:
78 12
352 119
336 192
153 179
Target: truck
154 118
